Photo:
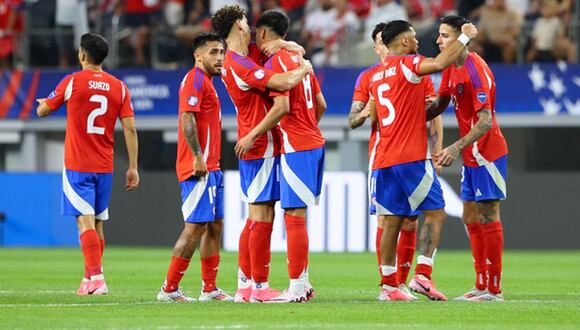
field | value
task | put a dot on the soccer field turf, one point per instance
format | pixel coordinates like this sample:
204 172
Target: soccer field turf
542 290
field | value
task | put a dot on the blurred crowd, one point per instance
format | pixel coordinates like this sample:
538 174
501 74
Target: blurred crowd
158 33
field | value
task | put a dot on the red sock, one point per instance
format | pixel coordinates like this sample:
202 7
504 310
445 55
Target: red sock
297 239
478 252
87 275
390 279
405 253
493 237
378 247
177 269
424 269
209 269
244 250
91 248
260 235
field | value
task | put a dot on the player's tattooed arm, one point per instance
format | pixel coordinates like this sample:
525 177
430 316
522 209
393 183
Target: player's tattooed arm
437 107
189 129
483 125
358 114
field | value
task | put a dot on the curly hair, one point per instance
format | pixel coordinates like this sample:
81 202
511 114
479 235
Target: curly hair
222 21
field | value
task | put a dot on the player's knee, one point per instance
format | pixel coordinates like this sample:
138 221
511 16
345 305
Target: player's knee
410 224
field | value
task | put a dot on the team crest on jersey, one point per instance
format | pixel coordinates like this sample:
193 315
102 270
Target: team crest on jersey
52 95
295 58
192 100
460 89
482 96
224 72
259 74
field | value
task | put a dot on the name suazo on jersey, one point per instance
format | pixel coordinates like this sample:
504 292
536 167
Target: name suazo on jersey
246 83
299 127
472 88
198 95
403 128
94 102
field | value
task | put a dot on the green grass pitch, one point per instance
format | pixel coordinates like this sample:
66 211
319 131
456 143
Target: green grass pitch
542 290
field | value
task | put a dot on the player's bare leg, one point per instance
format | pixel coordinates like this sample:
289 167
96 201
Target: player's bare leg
260 236
94 281
470 218
492 230
389 281
210 258
428 243
182 252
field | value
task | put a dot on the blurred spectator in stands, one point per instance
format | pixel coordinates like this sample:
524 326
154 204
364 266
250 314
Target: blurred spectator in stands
139 16
196 22
10 26
469 8
71 21
384 11
362 8
325 28
499 29
549 42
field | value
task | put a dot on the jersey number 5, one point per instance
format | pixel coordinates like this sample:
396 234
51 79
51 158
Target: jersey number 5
386 103
101 110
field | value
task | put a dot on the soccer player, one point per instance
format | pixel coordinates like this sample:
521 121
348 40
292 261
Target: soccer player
258 147
470 83
359 112
302 158
95 99
406 180
199 174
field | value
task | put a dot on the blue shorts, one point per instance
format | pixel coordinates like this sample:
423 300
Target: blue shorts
203 197
486 182
260 179
301 181
408 188
85 193
372 186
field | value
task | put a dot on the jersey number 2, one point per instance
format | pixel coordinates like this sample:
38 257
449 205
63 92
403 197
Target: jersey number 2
386 103
101 110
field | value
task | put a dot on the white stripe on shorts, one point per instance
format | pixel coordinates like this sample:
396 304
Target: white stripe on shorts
422 190
297 185
260 181
194 197
77 202
496 177
381 210
103 215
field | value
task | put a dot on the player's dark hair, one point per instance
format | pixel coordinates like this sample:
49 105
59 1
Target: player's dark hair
222 21
95 46
275 20
393 29
378 29
204 38
455 22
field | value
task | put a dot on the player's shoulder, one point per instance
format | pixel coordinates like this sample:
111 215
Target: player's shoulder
241 60
286 59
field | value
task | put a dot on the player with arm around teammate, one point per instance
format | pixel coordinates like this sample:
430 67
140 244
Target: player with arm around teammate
471 85
95 99
199 174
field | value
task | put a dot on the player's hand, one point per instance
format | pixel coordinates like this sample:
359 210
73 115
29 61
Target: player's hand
365 112
41 101
291 46
131 179
243 146
199 166
438 168
447 156
305 64
469 30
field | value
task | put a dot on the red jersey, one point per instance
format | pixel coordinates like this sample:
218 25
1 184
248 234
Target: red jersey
362 91
472 88
299 127
198 95
246 83
399 94
94 102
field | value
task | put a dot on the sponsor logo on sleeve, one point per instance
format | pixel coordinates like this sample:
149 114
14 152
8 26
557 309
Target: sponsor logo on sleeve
192 100
259 74
482 96
52 95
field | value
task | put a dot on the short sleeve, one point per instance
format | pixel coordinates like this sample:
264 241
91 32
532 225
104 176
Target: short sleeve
480 83
429 88
444 89
126 105
250 74
362 87
61 93
190 92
